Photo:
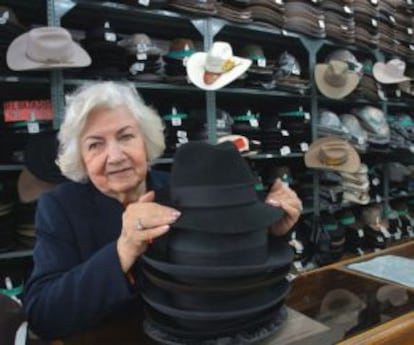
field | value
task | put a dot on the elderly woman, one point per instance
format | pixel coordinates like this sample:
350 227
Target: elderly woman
90 232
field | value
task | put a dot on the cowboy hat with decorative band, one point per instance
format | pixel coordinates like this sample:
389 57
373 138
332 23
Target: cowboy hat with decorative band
216 68
46 48
332 153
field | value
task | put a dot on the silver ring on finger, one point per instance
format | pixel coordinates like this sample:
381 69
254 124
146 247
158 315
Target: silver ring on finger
139 225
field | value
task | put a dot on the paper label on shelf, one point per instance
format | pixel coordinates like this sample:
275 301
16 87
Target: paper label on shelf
182 140
185 59
144 2
33 127
285 150
360 233
298 265
4 18
378 198
261 62
141 56
307 116
136 67
221 123
410 31
182 134
321 24
285 133
398 93
347 9
376 181
304 147
110 36
361 141
254 122
176 121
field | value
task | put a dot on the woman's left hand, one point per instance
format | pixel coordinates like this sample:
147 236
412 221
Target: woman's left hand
281 195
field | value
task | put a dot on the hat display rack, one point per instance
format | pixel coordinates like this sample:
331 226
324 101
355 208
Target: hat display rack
328 109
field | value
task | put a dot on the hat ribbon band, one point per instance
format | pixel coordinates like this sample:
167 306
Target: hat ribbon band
214 196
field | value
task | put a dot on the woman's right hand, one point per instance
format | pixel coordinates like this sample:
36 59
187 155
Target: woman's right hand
142 222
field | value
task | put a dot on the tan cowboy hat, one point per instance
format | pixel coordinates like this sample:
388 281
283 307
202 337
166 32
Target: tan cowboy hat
216 68
335 80
391 72
46 48
332 153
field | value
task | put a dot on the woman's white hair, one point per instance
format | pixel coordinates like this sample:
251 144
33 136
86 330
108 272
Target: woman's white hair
108 95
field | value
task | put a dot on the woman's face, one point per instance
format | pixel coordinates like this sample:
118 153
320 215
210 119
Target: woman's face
113 152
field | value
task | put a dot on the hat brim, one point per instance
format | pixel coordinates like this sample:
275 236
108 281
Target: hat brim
280 255
195 71
160 301
235 219
312 161
251 331
29 187
382 75
335 92
18 60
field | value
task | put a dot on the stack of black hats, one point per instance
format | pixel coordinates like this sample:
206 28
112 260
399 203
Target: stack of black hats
339 20
217 275
176 59
108 58
268 12
7 233
143 57
247 123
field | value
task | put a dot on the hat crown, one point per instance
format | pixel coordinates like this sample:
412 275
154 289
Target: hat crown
333 154
181 44
203 164
335 74
219 58
396 67
50 44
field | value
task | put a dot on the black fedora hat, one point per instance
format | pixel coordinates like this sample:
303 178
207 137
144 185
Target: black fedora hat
213 187
280 255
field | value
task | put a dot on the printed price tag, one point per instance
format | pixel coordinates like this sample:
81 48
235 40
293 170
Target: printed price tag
298 265
376 181
307 116
304 147
141 56
410 31
378 198
360 233
4 18
144 2
374 2
221 123
182 134
285 150
261 62
176 121
285 133
380 239
279 2
185 61
347 9
33 127
398 93
182 140
409 2
374 22
321 24
110 36
254 123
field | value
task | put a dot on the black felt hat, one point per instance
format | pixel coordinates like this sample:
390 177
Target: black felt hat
213 187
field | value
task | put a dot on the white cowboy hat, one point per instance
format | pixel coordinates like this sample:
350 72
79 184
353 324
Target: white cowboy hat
335 80
216 68
46 48
391 72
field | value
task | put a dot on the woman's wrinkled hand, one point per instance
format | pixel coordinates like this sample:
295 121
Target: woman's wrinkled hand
280 195
142 222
